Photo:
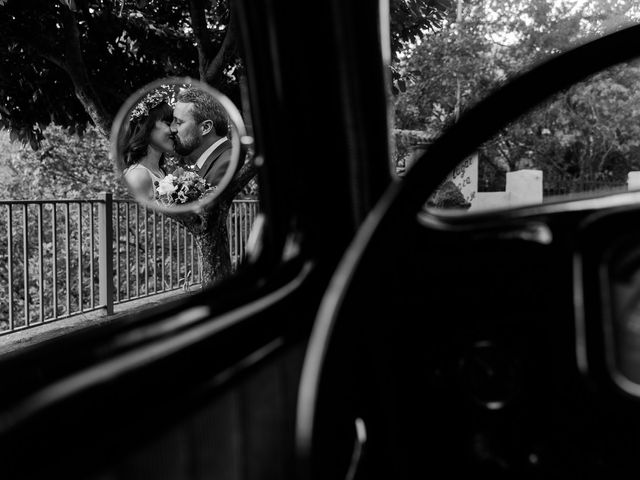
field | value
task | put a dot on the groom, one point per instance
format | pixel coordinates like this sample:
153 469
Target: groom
199 129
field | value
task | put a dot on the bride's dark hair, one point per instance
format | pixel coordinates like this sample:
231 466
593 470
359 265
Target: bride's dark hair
137 136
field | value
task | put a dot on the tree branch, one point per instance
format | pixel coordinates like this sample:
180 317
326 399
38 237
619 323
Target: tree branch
203 41
77 70
211 67
242 177
225 54
57 61
603 159
42 47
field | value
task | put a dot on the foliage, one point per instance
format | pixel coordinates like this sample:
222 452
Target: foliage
591 129
67 166
87 56
76 48
410 19
448 196
408 144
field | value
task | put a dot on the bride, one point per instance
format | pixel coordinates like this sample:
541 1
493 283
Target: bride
146 144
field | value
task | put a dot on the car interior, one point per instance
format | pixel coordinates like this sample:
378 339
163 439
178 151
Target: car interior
493 344
368 334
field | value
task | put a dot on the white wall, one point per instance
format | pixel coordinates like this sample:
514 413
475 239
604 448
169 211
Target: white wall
524 187
633 180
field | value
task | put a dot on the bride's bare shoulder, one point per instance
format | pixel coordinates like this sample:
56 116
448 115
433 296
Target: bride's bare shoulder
137 175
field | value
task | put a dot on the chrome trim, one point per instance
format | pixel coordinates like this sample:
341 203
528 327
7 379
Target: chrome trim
358 448
450 220
610 348
238 141
582 360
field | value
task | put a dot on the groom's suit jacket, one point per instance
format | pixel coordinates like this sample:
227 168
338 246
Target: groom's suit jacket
215 166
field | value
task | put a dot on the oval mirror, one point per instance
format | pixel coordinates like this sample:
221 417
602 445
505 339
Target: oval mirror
177 143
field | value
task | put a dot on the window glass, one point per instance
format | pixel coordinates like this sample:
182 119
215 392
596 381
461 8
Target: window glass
582 142
75 245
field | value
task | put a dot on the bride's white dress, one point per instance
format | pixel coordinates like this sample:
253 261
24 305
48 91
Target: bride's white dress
136 177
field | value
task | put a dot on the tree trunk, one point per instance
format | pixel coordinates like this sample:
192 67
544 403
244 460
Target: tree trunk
209 229
213 245
201 34
77 70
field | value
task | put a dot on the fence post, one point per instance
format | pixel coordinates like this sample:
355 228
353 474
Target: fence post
105 252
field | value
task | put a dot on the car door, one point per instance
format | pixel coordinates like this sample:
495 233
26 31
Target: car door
497 343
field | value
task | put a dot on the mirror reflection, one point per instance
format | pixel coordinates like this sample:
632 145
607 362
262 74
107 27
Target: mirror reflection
178 145
175 145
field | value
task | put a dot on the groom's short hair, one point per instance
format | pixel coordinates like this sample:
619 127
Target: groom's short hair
205 107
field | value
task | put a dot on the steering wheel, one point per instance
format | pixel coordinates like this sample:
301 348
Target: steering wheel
397 380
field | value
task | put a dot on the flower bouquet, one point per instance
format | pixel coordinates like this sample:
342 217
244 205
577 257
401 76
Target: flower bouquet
180 187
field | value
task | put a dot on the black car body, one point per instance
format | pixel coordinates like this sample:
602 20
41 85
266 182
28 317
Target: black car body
359 341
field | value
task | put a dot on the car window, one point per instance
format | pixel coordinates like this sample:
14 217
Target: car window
582 142
76 246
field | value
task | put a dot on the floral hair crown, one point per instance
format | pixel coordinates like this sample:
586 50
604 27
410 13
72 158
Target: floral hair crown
150 101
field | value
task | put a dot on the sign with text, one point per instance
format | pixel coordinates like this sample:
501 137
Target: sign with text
465 177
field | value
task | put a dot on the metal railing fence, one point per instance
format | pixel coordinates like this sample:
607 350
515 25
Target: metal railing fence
152 253
60 258
555 185
241 216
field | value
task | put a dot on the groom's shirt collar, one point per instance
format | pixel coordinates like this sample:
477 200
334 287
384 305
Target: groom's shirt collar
208 151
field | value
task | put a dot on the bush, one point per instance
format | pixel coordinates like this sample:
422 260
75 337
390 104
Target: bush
67 166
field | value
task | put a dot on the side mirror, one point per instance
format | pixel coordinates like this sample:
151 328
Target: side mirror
177 143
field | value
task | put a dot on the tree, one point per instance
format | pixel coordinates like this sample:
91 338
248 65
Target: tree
410 19
66 165
74 46
588 130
